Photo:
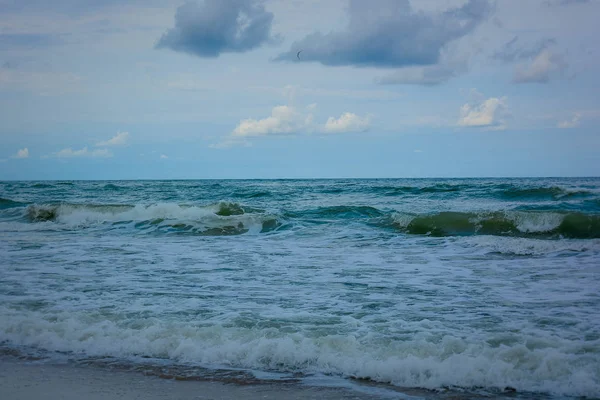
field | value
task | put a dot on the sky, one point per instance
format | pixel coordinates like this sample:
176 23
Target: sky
212 89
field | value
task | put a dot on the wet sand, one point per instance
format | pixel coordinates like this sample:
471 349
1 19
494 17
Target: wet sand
25 380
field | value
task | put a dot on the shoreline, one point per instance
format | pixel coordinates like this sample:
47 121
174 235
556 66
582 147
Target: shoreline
32 380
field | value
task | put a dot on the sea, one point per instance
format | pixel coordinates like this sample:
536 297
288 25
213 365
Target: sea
418 288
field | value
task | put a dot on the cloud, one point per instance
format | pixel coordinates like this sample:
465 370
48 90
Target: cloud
454 60
488 113
219 26
84 152
389 33
119 139
163 157
283 120
348 122
538 63
22 153
289 120
513 50
540 70
572 123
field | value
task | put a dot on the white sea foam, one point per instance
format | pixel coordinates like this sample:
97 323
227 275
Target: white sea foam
559 366
533 247
402 220
535 222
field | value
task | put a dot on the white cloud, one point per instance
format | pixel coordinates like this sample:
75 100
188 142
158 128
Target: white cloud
118 140
572 123
347 122
488 113
283 120
289 120
84 152
543 66
22 153
163 157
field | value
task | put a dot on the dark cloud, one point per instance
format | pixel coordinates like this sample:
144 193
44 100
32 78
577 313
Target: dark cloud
10 41
219 26
389 33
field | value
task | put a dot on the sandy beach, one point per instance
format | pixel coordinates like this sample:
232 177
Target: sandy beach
24 380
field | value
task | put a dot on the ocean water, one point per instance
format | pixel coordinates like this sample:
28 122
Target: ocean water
460 285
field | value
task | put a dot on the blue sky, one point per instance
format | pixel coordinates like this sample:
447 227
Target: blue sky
214 88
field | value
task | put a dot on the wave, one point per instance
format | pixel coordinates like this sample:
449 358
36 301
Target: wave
526 362
230 218
113 187
416 190
42 186
7 203
251 194
536 224
541 193
223 218
339 212
507 223
503 191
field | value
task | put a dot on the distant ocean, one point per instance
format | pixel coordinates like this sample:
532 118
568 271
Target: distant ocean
487 286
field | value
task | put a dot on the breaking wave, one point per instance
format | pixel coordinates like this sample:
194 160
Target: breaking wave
217 219
231 218
507 223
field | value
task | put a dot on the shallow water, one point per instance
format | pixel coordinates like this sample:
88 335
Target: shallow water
472 284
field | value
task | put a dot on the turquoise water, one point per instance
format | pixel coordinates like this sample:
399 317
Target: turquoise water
467 284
